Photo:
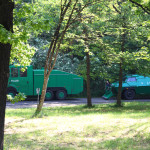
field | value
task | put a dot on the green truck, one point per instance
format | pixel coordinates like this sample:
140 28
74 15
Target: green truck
132 85
30 82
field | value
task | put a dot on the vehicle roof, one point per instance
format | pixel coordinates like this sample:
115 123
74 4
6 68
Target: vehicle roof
137 76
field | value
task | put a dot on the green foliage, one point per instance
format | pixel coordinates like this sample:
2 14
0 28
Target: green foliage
30 20
19 97
106 21
5 35
121 20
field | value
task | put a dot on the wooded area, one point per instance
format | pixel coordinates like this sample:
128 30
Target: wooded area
99 40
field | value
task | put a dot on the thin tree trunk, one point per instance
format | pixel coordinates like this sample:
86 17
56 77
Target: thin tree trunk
89 102
40 105
54 48
57 40
6 19
120 85
88 85
121 63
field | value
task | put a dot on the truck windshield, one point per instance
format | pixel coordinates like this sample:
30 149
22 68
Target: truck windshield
23 73
131 79
14 72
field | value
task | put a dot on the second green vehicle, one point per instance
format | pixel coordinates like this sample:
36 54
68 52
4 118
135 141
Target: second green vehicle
132 85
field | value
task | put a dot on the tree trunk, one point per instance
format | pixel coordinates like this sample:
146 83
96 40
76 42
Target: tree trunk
4 74
121 63
120 86
54 48
89 102
6 19
40 105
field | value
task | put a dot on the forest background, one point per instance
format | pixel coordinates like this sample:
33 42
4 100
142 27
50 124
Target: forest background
113 34
116 31
110 26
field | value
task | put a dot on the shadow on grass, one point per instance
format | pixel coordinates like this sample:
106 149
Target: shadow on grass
31 140
133 109
134 143
22 112
139 109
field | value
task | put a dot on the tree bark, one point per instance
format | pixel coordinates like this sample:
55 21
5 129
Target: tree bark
40 105
89 102
120 86
88 85
6 19
123 40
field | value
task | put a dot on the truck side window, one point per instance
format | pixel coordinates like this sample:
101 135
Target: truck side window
23 73
14 72
132 79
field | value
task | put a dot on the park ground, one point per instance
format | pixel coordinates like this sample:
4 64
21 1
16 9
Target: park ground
77 127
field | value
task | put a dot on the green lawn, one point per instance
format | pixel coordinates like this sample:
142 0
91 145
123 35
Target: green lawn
102 127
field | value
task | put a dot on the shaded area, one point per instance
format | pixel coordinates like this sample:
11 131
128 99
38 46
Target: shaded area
133 109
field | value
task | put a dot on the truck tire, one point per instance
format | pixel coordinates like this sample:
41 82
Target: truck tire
49 95
61 94
129 94
11 92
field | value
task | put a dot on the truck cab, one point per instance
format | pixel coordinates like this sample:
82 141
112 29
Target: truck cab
20 80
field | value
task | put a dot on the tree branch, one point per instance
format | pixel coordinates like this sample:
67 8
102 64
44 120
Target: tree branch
56 36
62 35
145 9
116 9
74 20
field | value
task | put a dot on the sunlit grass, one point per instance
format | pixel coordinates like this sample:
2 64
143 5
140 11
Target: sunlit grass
80 128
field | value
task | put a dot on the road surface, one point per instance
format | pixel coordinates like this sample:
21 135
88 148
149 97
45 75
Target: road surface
74 101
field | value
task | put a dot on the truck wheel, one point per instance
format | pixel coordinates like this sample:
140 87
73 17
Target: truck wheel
129 94
49 95
12 93
61 94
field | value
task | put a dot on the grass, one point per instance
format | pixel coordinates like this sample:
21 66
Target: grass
102 127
